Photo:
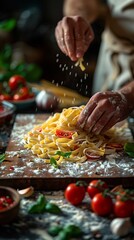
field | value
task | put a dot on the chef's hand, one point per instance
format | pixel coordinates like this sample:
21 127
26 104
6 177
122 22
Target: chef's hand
73 35
103 111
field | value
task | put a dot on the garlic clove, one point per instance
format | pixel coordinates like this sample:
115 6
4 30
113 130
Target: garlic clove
27 192
46 100
121 226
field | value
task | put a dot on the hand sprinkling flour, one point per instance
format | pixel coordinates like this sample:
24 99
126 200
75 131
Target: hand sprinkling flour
115 64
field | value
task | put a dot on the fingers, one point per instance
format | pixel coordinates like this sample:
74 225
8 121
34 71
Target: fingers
82 120
102 112
83 36
59 34
73 35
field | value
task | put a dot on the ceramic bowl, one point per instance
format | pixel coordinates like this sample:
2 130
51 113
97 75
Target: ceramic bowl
6 112
10 212
26 103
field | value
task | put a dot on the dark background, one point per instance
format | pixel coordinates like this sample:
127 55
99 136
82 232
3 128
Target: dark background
33 38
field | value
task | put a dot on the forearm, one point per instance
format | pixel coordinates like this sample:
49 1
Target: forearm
128 92
88 9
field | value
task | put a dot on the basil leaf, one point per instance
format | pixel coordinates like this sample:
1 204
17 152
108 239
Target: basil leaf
62 236
53 162
2 157
63 154
73 230
131 154
8 25
129 149
54 230
39 205
52 208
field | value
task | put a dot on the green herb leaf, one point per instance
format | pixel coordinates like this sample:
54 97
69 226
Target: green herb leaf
69 232
63 154
129 149
54 230
52 208
62 236
39 205
2 157
8 25
73 230
53 162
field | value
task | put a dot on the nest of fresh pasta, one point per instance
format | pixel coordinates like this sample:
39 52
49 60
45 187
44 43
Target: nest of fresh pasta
59 139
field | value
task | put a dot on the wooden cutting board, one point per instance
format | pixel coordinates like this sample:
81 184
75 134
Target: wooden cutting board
22 169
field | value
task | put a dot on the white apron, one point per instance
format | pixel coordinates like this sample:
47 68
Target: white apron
115 65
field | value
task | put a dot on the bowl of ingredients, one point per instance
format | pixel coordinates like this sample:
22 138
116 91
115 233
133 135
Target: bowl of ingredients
9 204
18 92
6 112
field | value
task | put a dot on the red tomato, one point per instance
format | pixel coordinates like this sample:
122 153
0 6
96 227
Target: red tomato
5 201
123 209
24 91
16 81
5 97
75 193
22 94
117 146
96 186
64 134
102 205
17 97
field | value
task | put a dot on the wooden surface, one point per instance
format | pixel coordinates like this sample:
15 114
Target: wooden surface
22 169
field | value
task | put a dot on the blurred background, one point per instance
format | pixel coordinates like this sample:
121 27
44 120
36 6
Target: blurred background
28 46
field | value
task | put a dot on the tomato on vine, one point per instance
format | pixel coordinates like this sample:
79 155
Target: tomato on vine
16 81
75 192
123 208
102 204
5 96
96 186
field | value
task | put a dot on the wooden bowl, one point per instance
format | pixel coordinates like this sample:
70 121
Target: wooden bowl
10 212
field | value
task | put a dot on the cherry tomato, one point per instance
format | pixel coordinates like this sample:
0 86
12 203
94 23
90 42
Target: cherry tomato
117 146
123 209
75 193
16 81
5 97
96 186
64 134
5 201
17 97
22 94
24 91
101 204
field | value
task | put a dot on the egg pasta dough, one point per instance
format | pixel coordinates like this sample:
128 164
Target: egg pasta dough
59 138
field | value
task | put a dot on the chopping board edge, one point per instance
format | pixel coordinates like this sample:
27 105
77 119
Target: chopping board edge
50 184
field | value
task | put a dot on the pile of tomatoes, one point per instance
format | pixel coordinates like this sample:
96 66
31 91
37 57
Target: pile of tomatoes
119 201
16 89
5 202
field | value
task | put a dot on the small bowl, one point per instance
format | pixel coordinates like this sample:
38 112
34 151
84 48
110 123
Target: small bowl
26 103
6 112
8 214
